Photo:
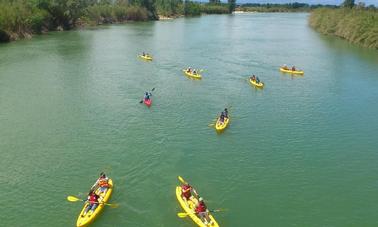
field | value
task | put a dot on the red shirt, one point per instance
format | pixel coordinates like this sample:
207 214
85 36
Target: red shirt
93 198
186 191
201 207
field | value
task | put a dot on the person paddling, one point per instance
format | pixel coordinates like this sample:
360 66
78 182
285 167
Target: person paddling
103 183
186 191
202 212
92 203
225 112
96 184
221 118
147 95
293 68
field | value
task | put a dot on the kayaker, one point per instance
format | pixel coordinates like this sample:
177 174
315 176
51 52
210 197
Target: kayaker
144 54
103 183
194 72
96 184
225 113
201 210
293 68
285 67
257 80
147 95
92 203
189 70
253 77
186 191
221 118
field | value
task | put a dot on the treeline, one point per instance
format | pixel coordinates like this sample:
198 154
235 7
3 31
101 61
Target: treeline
21 18
288 7
357 24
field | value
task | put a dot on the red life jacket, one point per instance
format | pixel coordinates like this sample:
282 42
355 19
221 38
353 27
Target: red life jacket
186 191
93 198
201 207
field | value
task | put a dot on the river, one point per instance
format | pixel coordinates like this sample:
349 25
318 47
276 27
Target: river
300 152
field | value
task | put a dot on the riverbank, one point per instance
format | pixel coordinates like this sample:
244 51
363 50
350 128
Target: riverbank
22 19
358 26
279 8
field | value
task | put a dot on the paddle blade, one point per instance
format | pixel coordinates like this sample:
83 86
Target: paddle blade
72 198
182 215
112 205
141 101
181 180
218 210
153 89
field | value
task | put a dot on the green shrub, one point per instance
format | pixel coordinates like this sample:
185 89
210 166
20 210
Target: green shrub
215 8
358 26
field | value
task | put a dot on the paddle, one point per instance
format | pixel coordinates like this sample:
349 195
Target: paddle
182 180
153 89
213 123
183 215
75 199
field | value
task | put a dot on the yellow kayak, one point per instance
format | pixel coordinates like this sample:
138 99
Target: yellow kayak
191 75
89 217
189 206
259 85
220 126
146 57
291 71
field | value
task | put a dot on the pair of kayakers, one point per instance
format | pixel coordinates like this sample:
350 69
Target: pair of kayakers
255 78
145 54
192 71
223 115
200 208
93 200
287 68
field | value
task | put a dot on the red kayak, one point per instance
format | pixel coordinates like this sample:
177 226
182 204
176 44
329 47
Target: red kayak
147 102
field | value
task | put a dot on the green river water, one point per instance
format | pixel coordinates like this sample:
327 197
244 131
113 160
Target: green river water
301 152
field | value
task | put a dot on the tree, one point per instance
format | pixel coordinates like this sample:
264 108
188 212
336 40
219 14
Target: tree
231 5
214 1
348 3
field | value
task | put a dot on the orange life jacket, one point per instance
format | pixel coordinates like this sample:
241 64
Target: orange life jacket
103 183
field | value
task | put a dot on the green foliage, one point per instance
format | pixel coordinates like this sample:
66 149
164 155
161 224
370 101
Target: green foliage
17 18
21 18
348 3
107 13
169 7
214 2
289 7
231 5
191 8
359 26
214 8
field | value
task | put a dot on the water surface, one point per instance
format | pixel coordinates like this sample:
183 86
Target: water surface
300 152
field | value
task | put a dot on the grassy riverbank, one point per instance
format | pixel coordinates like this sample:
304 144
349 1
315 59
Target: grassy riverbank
22 18
357 25
275 8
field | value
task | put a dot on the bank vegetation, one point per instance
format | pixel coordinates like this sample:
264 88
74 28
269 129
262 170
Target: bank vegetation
357 24
23 18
